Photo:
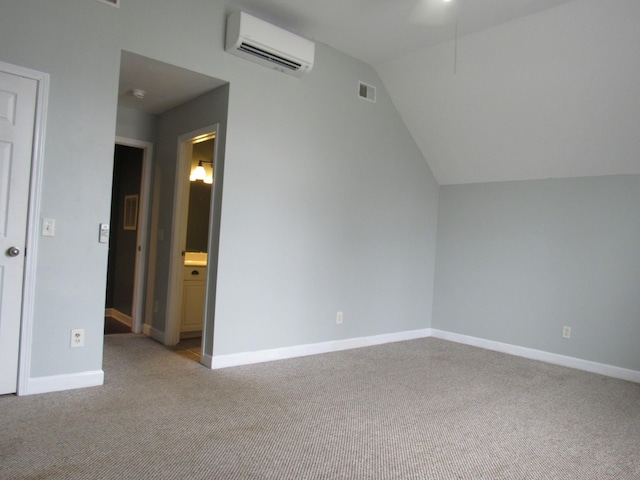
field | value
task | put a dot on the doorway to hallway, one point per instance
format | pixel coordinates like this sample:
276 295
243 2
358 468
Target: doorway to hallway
128 225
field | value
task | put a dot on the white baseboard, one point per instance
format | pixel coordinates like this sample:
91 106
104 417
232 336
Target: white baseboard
247 358
206 360
571 362
154 333
56 383
118 315
94 378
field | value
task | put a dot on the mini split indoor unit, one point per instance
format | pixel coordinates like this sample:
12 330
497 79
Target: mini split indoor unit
270 46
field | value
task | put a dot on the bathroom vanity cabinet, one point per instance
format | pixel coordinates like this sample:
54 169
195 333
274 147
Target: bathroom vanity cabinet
193 298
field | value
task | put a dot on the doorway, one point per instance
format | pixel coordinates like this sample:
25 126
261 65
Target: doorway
191 241
23 100
128 236
175 101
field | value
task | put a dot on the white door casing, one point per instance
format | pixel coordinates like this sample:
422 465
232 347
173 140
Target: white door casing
17 114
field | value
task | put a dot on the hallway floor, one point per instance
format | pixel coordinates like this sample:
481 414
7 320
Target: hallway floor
189 348
112 326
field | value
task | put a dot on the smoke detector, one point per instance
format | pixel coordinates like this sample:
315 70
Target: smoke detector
138 93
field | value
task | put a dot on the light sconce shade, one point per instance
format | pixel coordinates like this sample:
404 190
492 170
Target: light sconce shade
199 173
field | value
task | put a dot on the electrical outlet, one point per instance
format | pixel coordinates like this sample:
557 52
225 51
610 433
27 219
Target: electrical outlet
566 332
339 318
77 338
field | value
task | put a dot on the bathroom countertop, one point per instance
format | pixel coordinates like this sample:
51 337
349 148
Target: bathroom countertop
195 259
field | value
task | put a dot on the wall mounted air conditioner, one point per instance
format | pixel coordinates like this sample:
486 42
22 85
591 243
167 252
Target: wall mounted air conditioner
260 42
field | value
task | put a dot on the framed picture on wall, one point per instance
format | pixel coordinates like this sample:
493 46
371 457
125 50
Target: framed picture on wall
113 3
130 212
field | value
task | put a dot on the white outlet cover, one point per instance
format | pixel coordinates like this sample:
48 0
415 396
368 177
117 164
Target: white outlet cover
77 338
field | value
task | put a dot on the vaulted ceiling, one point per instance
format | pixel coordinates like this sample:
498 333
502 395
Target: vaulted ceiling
490 90
375 31
494 90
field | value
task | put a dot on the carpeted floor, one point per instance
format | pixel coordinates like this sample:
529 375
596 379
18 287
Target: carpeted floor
422 409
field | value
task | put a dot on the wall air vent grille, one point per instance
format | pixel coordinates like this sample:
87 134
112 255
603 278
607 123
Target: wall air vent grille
367 92
270 57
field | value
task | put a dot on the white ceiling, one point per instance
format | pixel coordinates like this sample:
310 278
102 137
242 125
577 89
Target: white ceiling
165 86
375 31
370 30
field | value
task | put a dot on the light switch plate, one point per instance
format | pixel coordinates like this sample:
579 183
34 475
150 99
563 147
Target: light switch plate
104 233
48 227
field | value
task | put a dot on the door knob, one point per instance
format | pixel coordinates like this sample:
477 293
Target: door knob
13 252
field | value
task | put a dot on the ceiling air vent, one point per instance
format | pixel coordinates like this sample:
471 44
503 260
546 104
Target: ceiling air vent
367 92
113 3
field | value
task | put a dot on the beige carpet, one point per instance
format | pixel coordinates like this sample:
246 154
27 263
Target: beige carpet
423 409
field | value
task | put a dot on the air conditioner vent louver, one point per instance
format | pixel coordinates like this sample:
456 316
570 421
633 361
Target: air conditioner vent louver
270 57
267 45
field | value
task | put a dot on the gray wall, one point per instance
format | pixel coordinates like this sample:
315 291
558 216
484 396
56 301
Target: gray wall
328 206
137 125
71 41
516 261
208 109
327 203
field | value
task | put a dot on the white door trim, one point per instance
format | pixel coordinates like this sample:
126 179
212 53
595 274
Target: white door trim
143 229
179 233
33 216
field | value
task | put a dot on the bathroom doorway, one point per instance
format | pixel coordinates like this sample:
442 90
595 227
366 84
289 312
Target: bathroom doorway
189 277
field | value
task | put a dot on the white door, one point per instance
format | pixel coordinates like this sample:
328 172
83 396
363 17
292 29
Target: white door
17 115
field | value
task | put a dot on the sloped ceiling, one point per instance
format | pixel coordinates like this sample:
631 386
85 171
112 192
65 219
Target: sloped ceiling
550 95
528 89
375 31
